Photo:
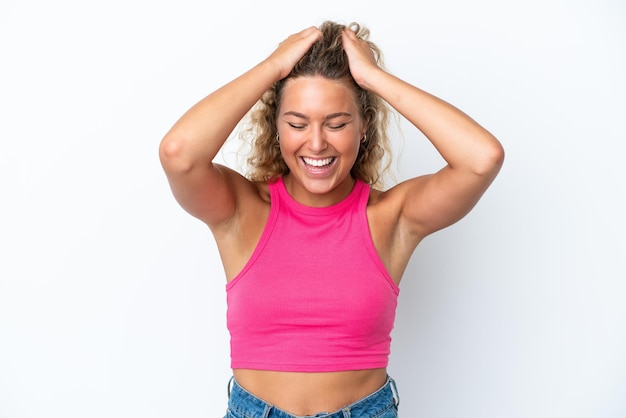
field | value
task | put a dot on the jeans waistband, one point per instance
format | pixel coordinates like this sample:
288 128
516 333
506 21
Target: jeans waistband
249 405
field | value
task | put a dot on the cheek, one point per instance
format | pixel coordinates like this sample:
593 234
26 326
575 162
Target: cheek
291 142
287 151
353 147
284 144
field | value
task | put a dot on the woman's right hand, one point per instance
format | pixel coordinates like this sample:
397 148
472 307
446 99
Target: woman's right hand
208 191
289 51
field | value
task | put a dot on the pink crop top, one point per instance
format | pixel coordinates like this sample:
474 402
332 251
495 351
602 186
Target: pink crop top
314 296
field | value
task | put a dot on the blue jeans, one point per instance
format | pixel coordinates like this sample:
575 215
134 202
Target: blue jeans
381 404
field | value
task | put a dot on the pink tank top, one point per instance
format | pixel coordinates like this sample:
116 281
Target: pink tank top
314 296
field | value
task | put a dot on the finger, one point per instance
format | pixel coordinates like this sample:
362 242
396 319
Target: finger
349 34
315 33
311 31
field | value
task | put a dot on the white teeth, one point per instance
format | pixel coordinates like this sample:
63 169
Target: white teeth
317 163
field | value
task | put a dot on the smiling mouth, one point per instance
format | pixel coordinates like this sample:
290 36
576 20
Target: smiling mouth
318 163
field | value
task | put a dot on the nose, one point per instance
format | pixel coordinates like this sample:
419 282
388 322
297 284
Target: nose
317 141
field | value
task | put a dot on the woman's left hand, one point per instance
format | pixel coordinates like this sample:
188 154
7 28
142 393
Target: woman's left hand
360 57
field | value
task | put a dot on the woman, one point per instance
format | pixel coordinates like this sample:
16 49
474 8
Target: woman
313 250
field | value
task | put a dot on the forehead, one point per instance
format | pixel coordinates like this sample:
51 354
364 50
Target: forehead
312 95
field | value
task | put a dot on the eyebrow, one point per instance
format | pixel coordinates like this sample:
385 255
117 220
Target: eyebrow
330 116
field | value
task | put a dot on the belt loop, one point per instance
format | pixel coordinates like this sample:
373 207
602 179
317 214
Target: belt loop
229 385
394 391
267 410
346 413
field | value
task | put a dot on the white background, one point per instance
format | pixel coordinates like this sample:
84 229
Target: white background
112 297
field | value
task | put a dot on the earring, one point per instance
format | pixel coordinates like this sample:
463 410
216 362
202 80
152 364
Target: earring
277 137
364 138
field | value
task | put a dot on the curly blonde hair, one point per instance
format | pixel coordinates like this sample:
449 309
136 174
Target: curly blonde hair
325 58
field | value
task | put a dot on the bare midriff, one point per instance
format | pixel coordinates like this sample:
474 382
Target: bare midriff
310 393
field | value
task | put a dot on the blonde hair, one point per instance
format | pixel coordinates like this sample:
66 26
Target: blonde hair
325 58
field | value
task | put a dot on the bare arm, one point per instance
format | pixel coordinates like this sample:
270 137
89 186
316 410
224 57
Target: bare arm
473 155
209 191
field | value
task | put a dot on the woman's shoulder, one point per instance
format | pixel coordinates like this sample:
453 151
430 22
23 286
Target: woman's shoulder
388 206
249 195
396 194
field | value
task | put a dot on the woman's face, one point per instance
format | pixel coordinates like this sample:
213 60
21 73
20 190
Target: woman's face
320 129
